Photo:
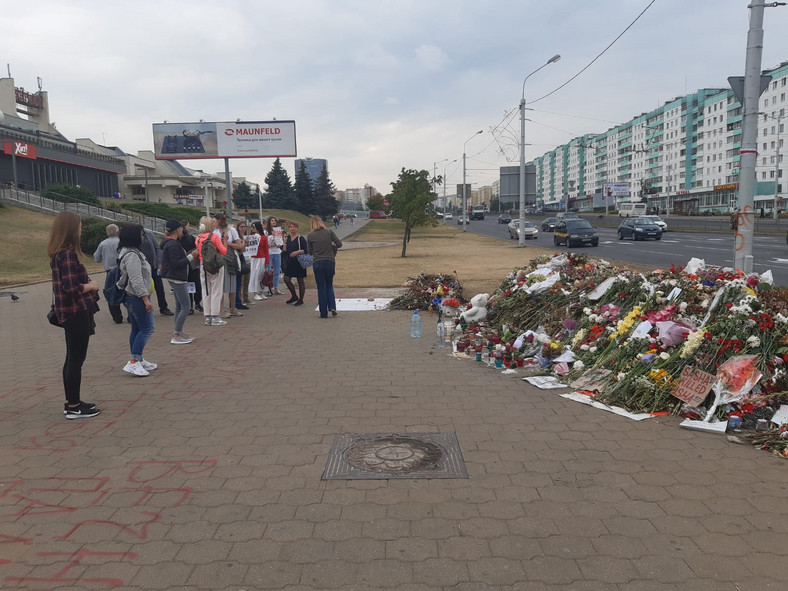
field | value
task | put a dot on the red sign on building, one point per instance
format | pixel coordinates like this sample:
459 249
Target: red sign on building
20 149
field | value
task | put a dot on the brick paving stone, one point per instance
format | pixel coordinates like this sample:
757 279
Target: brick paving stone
496 571
385 573
663 568
463 548
272 575
360 550
607 569
552 570
411 549
567 546
440 571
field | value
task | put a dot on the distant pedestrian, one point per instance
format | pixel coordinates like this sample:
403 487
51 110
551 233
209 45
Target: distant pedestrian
137 277
175 265
259 262
188 243
150 248
107 254
294 246
211 282
74 301
275 243
322 245
336 222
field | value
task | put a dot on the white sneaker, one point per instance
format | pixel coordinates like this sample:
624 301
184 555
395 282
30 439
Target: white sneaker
135 369
148 366
218 321
208 320
180 340
260 298
188 337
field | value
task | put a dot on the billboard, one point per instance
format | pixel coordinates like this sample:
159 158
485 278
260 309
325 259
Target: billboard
233 139
616 189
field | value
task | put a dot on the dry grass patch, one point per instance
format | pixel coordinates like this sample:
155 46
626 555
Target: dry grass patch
24 247
481 262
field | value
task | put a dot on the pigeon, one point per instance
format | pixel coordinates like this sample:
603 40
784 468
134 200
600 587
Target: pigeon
14 295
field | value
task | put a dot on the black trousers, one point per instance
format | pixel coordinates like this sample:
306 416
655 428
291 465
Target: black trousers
77 329
115 311
158 285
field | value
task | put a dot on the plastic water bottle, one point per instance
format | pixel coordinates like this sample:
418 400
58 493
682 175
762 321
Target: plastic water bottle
415 325
441 335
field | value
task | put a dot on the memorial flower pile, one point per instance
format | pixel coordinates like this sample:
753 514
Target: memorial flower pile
428 292
641 331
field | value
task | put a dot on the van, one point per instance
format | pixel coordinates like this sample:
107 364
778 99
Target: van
631 210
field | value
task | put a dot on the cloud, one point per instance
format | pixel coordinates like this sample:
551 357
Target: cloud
430 57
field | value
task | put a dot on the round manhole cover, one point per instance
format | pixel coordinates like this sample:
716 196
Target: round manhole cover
393 454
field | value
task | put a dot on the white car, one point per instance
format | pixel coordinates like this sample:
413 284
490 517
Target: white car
657 221
447 216
530 231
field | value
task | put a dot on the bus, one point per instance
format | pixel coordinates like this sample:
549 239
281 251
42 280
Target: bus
631 210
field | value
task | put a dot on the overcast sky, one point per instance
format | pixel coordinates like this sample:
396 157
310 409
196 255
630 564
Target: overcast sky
374 86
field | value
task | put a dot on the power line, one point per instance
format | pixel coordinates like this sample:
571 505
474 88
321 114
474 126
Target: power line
598 56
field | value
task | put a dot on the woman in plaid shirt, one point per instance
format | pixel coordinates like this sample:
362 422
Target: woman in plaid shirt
74 297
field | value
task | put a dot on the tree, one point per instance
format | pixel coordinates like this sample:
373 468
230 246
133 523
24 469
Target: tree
375 203
411 201
323 192
304 197
243 198
280 190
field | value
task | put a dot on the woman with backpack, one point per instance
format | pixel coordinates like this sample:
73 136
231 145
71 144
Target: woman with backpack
136 277
74 297
211 249
175 265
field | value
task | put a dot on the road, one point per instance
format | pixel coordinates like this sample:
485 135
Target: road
770 252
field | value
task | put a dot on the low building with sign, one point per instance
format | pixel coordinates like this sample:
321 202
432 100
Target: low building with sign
34 154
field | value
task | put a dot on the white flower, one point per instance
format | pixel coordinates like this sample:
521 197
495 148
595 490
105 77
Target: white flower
664 356
683 307
705 304
586 311
579 365
592 349
593 318
753 342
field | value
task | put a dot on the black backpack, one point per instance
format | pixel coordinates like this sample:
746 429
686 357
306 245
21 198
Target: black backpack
114 295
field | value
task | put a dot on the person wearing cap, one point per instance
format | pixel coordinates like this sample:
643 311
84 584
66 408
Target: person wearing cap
175 265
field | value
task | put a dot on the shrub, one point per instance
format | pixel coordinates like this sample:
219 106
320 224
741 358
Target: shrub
69 193
167 212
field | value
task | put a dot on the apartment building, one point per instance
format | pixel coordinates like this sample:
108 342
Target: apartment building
682 157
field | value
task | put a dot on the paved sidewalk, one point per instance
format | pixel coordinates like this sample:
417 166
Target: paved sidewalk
206 474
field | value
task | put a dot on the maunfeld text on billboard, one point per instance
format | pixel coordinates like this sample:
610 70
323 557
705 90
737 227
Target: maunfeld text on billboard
231 139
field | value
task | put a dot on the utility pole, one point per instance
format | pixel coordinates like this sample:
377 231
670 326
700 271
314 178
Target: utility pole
749 97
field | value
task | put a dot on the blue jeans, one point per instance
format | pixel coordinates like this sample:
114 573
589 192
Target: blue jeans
276 265
182 304
324 278
238 283
142 326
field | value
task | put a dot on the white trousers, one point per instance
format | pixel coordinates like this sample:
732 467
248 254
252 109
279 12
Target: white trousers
211 291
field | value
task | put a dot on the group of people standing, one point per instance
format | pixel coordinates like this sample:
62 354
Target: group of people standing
179 260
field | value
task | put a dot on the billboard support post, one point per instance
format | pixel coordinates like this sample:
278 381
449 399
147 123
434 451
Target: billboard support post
229 183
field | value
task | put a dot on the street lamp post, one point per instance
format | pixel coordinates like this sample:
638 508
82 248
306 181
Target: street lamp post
444 188
552 60
264 188
435 174
464 192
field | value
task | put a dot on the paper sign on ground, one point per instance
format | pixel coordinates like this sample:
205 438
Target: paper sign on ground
694 385
781 416
586 399
718 427
592 380
545 382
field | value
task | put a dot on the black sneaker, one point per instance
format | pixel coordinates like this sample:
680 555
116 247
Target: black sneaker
86 404
83 411
166 312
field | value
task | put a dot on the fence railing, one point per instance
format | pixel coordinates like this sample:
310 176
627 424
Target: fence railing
34 201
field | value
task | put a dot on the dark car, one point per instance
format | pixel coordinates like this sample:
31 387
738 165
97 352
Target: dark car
575 233
639 229
549 224
504 218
